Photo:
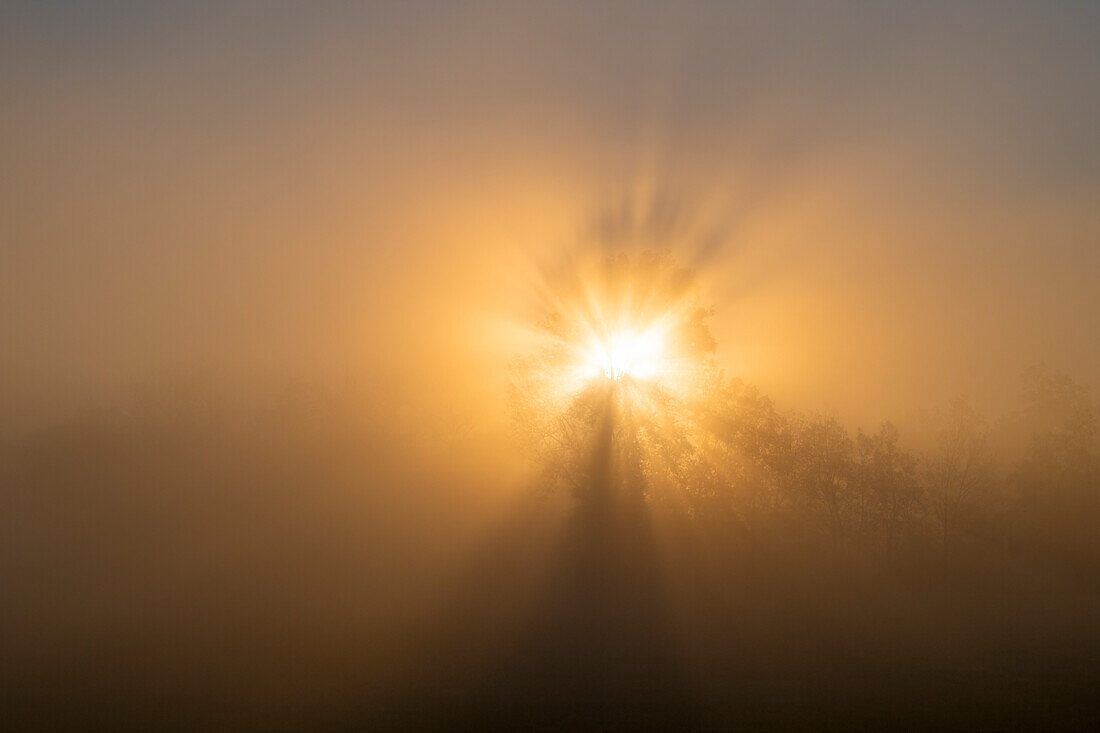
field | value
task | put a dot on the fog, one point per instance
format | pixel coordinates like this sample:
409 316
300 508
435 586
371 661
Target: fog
273 278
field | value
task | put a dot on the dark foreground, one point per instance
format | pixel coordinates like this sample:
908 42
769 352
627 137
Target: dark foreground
177 580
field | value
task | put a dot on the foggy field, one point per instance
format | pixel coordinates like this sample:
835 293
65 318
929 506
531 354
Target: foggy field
297 567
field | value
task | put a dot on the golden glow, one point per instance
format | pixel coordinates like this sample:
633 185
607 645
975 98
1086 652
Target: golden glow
636 354
623 358
635 322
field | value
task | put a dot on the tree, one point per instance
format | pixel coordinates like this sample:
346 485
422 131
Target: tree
887 494
752 441
1058 479
958 466
826 470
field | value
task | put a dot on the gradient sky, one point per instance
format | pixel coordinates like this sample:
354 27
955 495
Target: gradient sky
890 203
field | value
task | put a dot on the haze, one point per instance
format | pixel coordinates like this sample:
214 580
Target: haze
313 240
905 197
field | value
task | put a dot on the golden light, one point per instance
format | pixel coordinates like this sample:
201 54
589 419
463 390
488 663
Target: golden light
613 335
627 353
621 356
630 320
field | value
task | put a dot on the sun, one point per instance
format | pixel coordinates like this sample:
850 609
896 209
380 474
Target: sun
627 353
620 357
632 324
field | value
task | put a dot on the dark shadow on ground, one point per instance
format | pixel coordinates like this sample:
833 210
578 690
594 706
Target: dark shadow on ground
594 649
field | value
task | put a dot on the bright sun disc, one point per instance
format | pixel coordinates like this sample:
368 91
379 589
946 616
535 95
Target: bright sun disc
626 353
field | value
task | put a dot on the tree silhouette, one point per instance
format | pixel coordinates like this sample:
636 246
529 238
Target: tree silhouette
1058 479
959 465
826 472
887 489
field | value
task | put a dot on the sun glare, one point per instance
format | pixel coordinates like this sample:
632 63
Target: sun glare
631 322
627 353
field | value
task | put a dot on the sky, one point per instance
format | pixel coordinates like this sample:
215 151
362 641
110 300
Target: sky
888 204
